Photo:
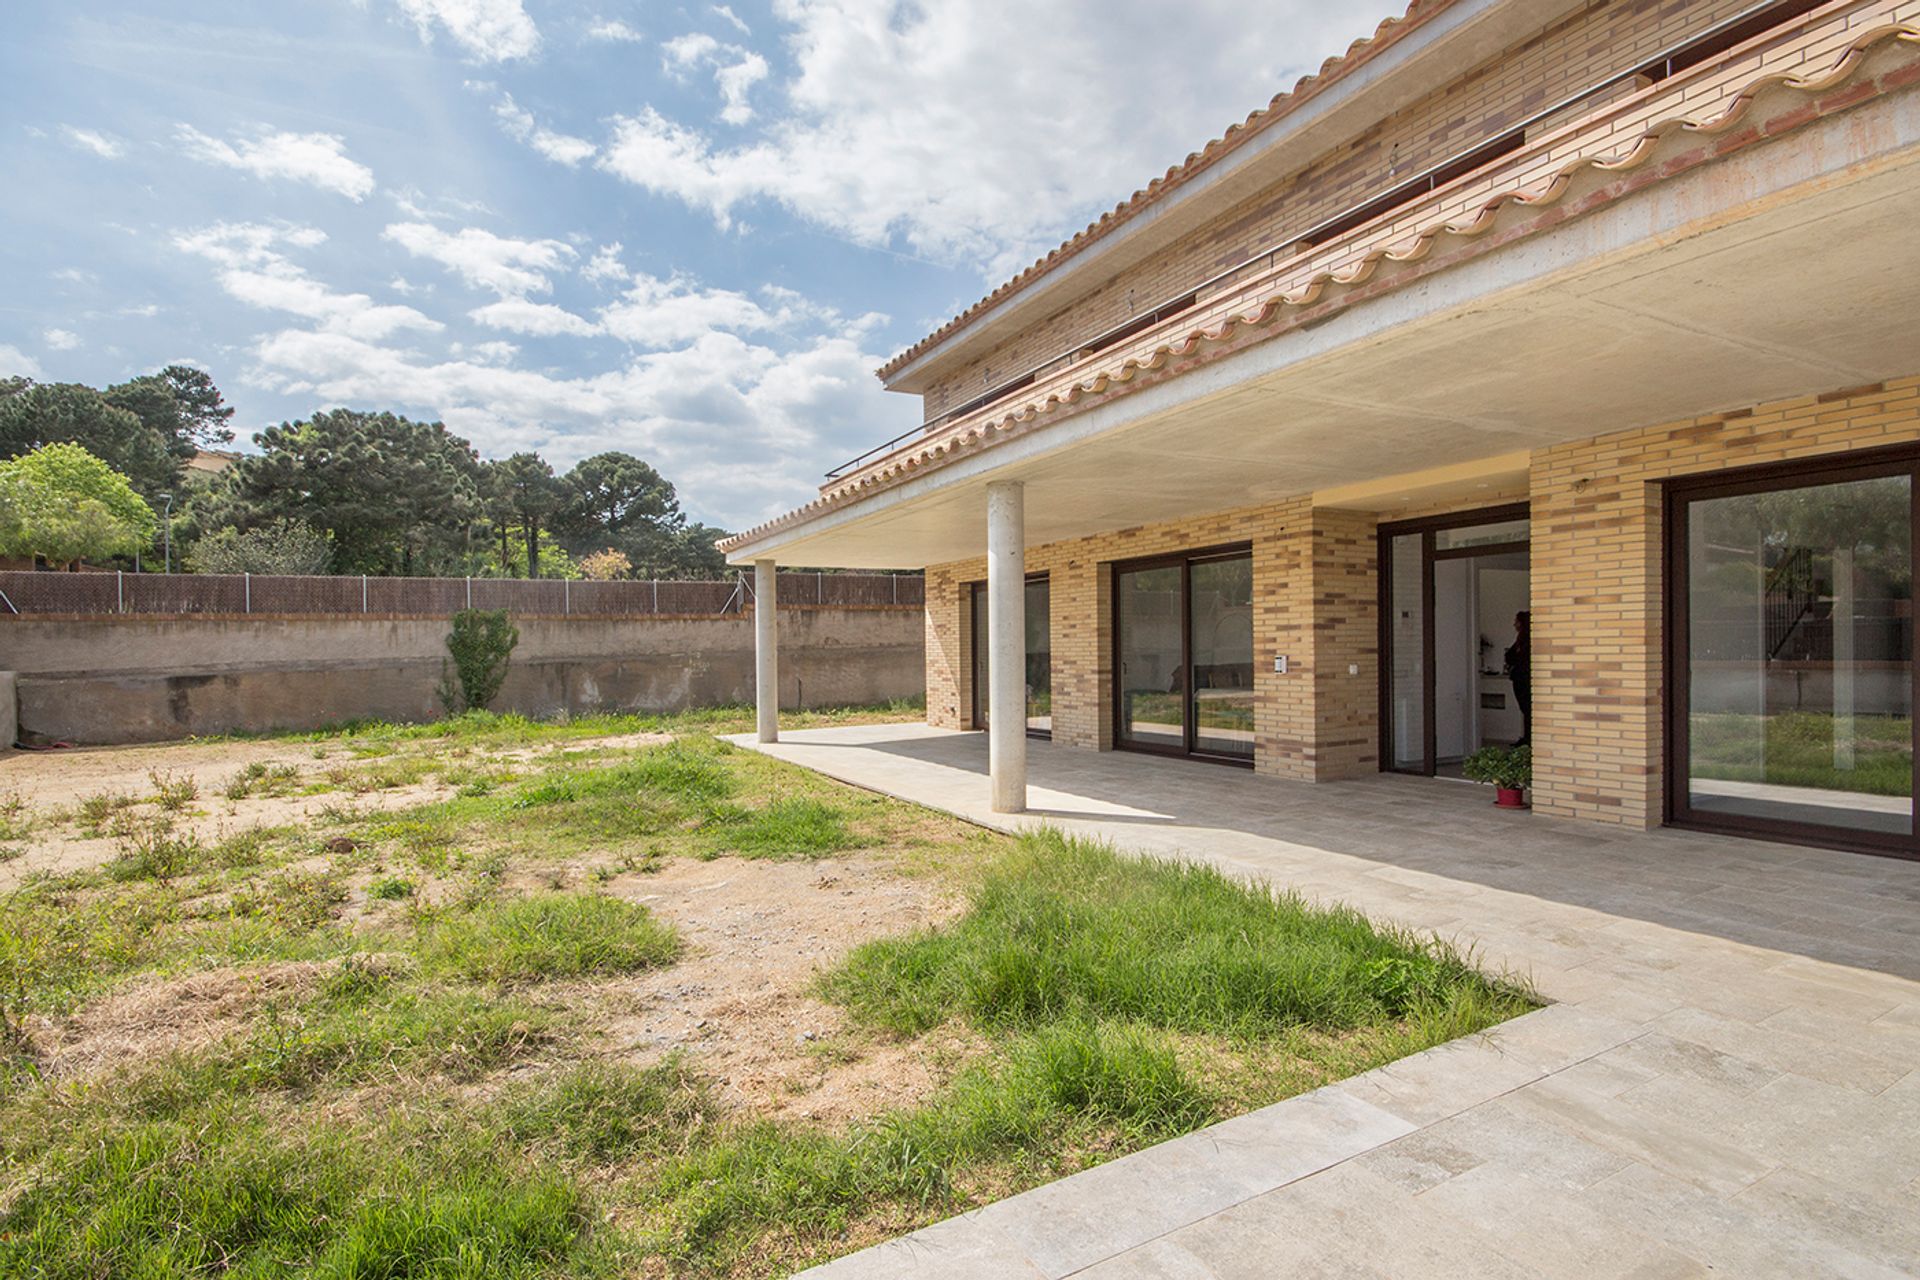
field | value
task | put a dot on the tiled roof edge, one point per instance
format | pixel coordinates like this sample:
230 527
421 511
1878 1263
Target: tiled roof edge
1390 30
1635 154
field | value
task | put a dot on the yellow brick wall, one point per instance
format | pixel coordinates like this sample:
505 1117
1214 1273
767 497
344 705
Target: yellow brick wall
1598 581
1314 600
1605 37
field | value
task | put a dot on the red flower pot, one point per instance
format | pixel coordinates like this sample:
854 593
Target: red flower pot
1509 798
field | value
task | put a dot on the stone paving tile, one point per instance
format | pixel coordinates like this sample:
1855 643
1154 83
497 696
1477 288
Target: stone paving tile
1726 1083
1066 1225
1504 1196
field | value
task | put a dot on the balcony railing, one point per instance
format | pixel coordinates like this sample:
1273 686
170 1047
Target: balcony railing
1700 80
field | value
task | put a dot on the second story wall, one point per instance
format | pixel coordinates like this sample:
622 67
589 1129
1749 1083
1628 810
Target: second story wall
1604 38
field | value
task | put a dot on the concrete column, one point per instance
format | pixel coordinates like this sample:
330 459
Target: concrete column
1007 645
766 651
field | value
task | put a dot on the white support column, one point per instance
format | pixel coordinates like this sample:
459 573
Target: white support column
1007 645
766 651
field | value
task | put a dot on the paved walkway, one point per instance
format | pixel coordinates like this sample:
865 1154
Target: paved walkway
1728 1082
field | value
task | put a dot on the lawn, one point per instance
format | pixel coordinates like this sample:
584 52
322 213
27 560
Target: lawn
1795 749
618 1000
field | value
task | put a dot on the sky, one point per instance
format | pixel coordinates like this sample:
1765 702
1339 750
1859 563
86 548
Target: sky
686 231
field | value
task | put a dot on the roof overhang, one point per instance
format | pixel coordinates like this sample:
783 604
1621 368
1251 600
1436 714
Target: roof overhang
1782 269
1456 37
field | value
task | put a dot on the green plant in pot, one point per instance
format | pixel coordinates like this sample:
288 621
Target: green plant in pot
1509 770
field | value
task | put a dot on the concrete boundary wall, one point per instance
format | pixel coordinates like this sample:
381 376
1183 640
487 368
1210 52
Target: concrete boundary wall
146 678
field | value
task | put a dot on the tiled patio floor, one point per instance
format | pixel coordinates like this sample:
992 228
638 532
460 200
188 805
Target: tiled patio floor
1728 1082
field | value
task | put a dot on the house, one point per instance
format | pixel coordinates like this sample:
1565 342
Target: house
1592 319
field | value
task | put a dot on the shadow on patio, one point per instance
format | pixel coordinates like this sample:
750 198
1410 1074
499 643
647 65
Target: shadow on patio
1536 894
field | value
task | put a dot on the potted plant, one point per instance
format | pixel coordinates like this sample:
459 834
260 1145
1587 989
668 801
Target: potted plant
1509 770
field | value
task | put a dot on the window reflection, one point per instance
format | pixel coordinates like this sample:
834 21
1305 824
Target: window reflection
1800 643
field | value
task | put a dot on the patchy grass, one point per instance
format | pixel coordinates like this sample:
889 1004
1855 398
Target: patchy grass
559 935
1066 929
425 1060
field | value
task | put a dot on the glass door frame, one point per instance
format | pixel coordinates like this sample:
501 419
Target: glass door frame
1184 561
1677 495
1426 527
976 610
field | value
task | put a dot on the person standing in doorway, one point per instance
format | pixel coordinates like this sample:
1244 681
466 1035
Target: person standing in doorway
1517 663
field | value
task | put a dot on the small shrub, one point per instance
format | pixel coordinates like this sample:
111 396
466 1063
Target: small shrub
98 810
389 888
172 793
482 643
1500 766
156 852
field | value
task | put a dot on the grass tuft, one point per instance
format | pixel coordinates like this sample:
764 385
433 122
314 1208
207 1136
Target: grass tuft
554 935
1067 928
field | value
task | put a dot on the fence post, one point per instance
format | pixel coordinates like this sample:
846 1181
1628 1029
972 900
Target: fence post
893 581
566 597
469 592
246 587
819 588
363 593
119 590
656 595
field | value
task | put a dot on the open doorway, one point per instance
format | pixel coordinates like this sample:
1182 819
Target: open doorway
1456 674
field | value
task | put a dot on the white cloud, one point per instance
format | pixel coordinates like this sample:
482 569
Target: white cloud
318 159
15 363
60 339
104 145
605 263
614 31
980 132
519 123
489 30
736 70
537 319
255 271
508 267
694 411
657 314
728 15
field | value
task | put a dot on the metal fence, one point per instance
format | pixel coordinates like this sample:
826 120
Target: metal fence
106 593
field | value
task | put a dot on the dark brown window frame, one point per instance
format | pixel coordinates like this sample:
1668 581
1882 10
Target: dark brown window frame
1677 493
1184 561
1426 527
977 593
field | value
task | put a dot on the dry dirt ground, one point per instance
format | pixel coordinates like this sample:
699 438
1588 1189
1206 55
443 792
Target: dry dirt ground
50 786
738 1001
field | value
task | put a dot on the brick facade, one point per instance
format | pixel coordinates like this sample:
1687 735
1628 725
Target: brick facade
1596 563
1605 37
1598 581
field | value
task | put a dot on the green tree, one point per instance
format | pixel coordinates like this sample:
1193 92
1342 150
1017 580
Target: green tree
481 643
180 404
278 547
523 493
33 414
395 495
62 503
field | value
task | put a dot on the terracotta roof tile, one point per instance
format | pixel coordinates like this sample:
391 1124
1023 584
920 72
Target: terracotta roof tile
1627 154
1331 71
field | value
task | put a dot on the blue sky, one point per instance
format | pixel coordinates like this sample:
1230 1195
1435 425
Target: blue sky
689 231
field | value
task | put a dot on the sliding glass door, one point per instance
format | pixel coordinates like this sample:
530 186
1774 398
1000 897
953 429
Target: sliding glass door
1791 653
1039 656
1183 655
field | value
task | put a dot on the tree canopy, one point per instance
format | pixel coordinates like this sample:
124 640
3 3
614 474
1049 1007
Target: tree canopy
380 493
62 503
397 496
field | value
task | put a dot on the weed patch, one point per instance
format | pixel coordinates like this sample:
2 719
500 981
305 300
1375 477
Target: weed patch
557 935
